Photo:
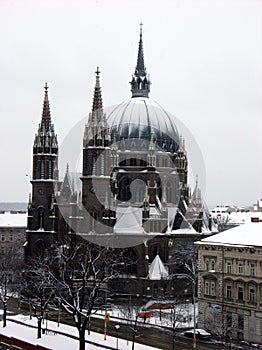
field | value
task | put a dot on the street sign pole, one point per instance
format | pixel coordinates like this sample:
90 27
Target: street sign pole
107 318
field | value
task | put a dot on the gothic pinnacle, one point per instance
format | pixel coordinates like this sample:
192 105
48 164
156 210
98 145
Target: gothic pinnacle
97 100
46 115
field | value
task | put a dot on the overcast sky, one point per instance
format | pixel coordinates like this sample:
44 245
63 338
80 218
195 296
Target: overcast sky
205 63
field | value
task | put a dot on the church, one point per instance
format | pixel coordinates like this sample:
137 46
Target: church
134 191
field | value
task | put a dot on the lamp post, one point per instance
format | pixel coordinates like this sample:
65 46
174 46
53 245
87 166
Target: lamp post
192 277
117 327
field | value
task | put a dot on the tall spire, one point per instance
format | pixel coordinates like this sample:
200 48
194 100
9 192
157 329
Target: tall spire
97 100
140 84
46 115
140 66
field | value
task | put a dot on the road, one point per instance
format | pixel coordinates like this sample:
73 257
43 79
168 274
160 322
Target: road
156 336
152 336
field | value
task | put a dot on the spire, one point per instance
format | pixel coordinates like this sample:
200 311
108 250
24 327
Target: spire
97 100
46 115
140 84
140 66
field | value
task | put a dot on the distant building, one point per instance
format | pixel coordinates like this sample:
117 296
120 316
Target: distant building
12 232
226 217
230 283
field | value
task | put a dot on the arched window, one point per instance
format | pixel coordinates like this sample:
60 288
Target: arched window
42 174
40 218
102 164
155 291
40 247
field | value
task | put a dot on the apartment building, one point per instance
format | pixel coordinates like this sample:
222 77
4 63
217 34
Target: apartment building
12 232
230 283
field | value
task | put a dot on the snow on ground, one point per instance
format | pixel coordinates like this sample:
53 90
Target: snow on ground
56 341
165 317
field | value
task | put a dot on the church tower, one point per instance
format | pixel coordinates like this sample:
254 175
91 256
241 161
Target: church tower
41 225
96 168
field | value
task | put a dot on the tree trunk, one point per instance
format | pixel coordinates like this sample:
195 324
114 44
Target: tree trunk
82 339
133 340
39 322
4 314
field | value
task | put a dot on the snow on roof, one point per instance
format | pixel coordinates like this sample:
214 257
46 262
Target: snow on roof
244 235
157 270
153 210
13 219
243 217
189 230
128 220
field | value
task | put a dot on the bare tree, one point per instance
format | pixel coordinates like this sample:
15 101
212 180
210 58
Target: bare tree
10 278
78 274
183 267
38 288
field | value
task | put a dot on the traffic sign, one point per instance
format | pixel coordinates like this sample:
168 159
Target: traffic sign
107 317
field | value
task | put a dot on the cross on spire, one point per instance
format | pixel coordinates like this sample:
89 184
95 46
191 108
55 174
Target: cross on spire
46 87
141 25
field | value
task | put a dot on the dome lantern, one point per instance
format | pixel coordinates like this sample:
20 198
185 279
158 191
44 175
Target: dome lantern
140 84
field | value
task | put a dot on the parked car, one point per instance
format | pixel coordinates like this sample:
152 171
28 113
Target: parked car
200 334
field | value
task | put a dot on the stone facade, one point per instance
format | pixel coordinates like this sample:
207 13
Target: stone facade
133 160
230 285
12 234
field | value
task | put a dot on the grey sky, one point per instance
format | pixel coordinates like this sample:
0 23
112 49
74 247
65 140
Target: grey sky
205 63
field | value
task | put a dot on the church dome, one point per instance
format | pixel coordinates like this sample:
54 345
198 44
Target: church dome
142 118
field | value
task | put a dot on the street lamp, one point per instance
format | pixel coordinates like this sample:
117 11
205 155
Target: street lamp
117 327
192 278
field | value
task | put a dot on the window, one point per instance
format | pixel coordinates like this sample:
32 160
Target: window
229 291
210 288
102 164
207 264
252 269
2 250
42 175
213 264
229 319
241 322
3 237
206 288
240 267
11 237
229 266
40 219
213 288
252 295
50 169
240 293
94 165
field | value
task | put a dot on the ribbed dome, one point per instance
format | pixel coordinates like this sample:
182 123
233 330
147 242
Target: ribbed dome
140 118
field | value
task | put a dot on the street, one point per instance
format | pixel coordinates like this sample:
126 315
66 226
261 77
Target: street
146 334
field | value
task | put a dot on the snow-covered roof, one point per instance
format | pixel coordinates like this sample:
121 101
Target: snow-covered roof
244 235
13 219
243 217
189 230
157 270
128 220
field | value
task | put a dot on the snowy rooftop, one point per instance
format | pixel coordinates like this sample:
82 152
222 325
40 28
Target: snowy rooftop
157 270
13 219
128 220
243 217
244 235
